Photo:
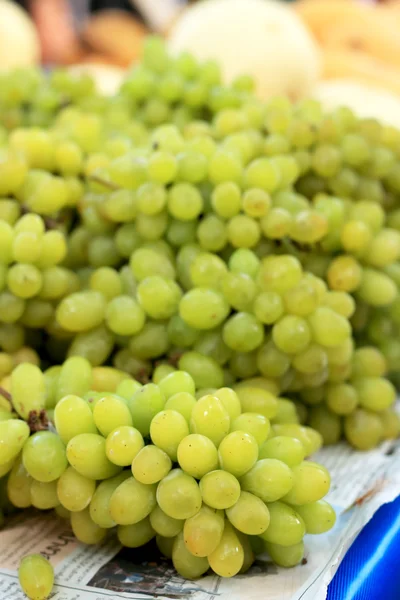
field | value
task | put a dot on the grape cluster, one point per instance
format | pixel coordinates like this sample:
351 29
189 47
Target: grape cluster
214 480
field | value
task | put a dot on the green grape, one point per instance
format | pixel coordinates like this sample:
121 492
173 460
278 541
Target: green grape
219 489
212 233
268 307
283 448
167 429
24 280
37 314
44 456
99 507
150 465
75 377
183 403
86 452
311 483
312 361
180 334
132 501
151 341
197 455
203 308
124 316
230 402
286 527
249 515
111 412
177 382
72 416
243 332
286 556
75 491
81 311
243 231
239 290
257 400
244 261
291 334
161 371
146 261
269 479
19 485
319 517
86 530
127 388
134 536
180 233
342 398
211 344
27 247
94 345
164 525
204 370
328 328
226 199
345 274
13 435
207 270
123 444
368 362
327 423
186 564
376 288
227 559
178 495
184 202
262 173
145 404
279 273
36 577
341 302
302 299
375 393
355 237
209 418
203 532
254 424
159 297
12 308
107 281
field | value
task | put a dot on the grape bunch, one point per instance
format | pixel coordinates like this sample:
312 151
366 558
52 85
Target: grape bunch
183 247
214 480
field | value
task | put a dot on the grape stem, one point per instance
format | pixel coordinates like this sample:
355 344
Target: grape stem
108 184
6 395
49 222
37 420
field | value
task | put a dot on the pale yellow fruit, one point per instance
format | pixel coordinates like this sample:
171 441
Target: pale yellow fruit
366 101
19 41
262 38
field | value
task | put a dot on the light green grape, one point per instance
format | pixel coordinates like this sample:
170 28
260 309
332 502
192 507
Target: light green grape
286 527
74 490
72 416
197 455
227 559
219 489
186 564
86 452
209 418
44 456
123 444
36 577
178 495
99 507
203 532
132 501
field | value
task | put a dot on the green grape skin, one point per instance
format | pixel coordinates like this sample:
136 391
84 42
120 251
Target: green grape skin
72 416
375 393
285 556
243 332
186 564
257 400
75 377
256 425
86 530
311 483
159 297
167 429
99 507
319 517
81 311
134 536
19 485
203 308
145 404
368 362
86 452
177 382
13 435
132 502
237 453
36 577
164 525
178 495
269 479
284 448
183 403
28 389
363 429
327 423
286 527
124 316
219 489
203 532
209 418
249 515
111 412
204 370
227 559
197 455
165 545
123 444
230 402
74 490
44 456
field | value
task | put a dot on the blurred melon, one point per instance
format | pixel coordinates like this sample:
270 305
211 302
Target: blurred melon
107 77
366 101
19 41
262 38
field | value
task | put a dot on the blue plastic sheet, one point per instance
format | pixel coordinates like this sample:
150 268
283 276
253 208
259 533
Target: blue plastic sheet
371 567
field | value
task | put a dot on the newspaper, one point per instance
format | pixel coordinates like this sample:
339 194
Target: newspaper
361 483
